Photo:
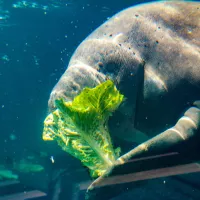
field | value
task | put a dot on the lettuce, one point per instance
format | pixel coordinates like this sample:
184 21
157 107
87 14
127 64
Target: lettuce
80 127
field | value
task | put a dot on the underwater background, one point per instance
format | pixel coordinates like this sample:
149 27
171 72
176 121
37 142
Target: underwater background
37 39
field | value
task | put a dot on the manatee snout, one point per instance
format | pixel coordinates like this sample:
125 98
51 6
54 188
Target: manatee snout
73 81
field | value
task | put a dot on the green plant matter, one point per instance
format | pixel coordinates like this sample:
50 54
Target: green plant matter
80 127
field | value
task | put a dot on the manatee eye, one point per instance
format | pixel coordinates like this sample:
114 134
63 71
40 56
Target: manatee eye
100 64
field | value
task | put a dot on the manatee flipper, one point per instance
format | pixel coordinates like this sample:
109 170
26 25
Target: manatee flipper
185 129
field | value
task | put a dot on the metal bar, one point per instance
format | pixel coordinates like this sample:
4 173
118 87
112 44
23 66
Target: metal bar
24 195
144 175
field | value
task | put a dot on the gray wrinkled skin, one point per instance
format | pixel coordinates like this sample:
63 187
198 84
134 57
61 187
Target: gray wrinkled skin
152 52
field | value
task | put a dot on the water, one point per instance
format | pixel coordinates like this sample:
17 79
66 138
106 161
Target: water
37 40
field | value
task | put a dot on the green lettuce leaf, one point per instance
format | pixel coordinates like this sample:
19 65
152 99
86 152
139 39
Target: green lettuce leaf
80 127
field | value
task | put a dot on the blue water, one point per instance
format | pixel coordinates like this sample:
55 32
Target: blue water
37 39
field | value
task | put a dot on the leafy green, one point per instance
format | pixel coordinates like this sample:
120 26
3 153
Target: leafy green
80 127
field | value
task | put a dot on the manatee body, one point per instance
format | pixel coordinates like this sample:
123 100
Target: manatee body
152 52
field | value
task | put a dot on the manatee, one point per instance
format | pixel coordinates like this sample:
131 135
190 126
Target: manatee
152 53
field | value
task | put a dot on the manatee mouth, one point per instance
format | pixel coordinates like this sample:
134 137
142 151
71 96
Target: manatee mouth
57 95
